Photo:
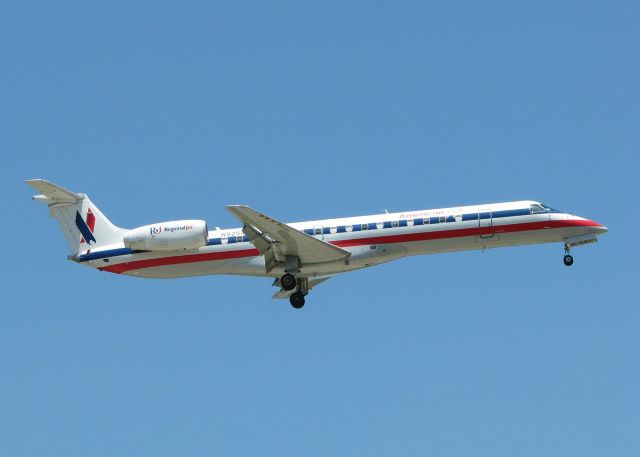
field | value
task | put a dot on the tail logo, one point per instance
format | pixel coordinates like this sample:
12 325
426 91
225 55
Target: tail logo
86 228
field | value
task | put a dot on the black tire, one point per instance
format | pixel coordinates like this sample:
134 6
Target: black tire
568 260
297 300
288 282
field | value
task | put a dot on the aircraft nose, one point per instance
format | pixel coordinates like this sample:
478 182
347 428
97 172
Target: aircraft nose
598 228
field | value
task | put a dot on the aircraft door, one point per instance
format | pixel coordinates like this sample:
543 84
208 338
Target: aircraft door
485 223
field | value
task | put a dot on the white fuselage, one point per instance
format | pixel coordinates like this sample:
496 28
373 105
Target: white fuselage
370 239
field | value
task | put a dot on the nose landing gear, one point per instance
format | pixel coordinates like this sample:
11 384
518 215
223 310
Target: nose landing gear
568 258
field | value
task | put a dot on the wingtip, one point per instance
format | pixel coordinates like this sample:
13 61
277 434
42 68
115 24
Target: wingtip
234 208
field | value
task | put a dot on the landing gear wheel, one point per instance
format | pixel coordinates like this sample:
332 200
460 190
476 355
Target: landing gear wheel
297 300
568 260
288 282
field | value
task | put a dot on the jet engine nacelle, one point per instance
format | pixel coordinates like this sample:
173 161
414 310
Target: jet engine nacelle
168 236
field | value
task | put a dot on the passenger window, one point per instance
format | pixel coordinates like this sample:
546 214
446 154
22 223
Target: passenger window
225 240
364 227
239 239
317 231
394 224
442 218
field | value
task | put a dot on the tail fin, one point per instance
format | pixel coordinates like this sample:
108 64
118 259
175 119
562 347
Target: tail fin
83 225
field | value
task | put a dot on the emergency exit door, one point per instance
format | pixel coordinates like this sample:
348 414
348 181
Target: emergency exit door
485 223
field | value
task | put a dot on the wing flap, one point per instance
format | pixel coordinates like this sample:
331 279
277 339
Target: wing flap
256 238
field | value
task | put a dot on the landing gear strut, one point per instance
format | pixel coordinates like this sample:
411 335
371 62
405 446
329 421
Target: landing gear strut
568 258
302 288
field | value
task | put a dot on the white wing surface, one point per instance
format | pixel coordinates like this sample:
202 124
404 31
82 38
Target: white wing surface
276 240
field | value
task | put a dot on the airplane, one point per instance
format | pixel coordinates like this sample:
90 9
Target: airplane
301 255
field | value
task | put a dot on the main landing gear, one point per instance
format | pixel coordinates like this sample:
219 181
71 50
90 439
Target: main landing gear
297 300
568 258
290 282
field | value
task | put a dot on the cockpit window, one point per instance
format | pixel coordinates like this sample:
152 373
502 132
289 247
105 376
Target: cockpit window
540 208
549 209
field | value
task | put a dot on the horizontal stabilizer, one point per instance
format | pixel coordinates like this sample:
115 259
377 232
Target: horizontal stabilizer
53 192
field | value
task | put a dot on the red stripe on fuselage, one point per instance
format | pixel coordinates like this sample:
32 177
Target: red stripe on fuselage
405 238
163 261
457 233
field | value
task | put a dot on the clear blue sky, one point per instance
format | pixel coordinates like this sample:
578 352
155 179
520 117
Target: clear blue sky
307 110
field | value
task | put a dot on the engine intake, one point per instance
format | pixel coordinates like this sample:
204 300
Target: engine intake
168 236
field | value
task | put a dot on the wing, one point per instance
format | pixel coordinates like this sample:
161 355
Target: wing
311 283
276 240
